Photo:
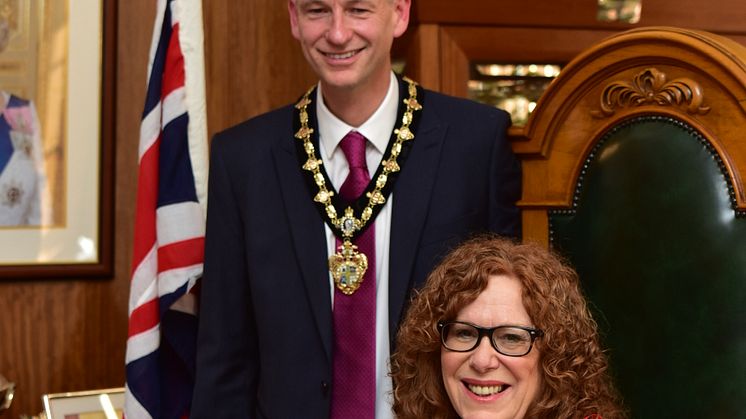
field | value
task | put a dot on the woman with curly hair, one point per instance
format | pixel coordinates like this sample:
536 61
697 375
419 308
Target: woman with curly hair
541 358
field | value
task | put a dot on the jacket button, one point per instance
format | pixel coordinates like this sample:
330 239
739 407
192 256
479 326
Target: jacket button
324 388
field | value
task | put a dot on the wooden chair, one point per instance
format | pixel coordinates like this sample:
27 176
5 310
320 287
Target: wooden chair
633 169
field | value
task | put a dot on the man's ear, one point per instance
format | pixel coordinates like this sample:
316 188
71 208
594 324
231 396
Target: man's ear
401 8
293 12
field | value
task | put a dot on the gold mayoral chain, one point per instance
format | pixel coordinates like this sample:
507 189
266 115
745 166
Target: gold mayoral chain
348 265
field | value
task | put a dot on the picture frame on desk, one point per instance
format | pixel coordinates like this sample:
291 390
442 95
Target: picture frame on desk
69 49
96 404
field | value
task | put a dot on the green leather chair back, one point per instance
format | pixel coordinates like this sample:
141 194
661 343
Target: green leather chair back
661 254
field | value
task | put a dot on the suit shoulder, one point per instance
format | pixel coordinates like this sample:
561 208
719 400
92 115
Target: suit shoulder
451 104
261 128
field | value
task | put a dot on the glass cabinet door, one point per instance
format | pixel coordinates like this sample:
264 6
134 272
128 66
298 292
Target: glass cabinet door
513 87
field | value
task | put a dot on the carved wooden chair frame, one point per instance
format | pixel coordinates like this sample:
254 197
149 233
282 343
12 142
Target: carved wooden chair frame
695 77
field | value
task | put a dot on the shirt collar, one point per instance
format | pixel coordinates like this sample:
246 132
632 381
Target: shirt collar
377 129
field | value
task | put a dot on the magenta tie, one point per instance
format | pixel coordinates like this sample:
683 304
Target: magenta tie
354 385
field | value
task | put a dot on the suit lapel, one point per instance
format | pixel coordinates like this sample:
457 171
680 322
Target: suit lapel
411 199
307 234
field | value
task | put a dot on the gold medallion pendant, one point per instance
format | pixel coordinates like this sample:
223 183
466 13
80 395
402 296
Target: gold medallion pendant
348 267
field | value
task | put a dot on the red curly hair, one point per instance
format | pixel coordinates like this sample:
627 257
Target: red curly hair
575 379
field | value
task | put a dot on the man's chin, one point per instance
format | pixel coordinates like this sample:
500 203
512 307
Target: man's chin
340 80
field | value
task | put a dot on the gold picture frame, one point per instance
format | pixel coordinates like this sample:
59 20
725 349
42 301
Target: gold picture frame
69 49
95 404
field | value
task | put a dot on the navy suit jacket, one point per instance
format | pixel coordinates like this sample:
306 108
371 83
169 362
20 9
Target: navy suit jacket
265 331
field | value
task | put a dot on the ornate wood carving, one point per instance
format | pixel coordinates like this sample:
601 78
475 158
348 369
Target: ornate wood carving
651 88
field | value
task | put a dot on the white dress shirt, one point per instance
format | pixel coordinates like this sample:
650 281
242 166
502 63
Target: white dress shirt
377 130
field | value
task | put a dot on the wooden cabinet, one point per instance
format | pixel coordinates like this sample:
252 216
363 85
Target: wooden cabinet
446 37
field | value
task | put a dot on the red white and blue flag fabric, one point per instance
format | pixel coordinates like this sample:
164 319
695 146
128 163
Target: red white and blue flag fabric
170 216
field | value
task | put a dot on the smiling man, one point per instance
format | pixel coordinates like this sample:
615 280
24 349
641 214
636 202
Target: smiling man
325 214
348 44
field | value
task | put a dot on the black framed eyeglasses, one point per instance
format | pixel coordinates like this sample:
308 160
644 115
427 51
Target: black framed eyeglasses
507 340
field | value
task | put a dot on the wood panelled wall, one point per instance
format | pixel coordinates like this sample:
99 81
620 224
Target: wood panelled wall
253 62
61 335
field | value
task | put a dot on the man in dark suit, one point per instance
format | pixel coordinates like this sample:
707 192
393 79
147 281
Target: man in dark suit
308 265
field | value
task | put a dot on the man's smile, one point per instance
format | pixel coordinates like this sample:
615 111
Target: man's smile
341 55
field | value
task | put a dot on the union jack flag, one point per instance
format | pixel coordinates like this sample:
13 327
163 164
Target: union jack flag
170 217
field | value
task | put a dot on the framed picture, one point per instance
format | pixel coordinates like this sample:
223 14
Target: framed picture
57 68
97 404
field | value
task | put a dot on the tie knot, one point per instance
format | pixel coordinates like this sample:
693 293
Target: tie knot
353 145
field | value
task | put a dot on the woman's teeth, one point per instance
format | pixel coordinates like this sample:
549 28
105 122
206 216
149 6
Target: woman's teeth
484 390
